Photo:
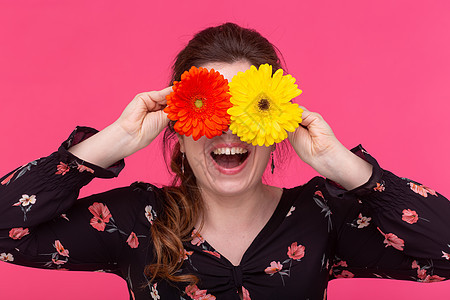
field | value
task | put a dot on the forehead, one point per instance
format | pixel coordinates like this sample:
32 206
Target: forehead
228 70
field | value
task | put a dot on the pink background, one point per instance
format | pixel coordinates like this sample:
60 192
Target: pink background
378 71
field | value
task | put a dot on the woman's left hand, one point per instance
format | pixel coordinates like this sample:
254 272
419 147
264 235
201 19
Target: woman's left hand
315 144
313 140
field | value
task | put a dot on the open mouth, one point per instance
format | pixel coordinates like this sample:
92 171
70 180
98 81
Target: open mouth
229 157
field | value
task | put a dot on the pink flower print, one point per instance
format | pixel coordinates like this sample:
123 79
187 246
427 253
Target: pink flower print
391 239
195 293
101 215
421 190
341 263
415 264
132 240
26 200
215 253
7 179
319 193
345 274
433 278
290 211
148 213
363 221
59 247
380 187
82 168
197 239
445 255
191 290
245 294
296 252
274 268
18 233
185 254
57 261
410 216
62 169
6 257
421 273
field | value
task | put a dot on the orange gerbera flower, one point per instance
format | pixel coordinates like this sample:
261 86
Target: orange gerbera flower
199 103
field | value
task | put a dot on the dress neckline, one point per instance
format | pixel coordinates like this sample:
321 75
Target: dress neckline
279 214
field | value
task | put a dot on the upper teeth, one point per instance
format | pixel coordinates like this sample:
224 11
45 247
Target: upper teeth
230 151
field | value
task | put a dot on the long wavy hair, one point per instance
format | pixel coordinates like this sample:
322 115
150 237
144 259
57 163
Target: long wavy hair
182 204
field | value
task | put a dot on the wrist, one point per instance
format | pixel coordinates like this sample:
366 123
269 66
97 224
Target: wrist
343 167
105 147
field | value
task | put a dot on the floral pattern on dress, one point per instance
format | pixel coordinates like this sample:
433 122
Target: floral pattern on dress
82 168
133 240
18 233
6 257
25 203
295 252
154 292
213 253
391 239
197 239
420 188
381 186
63 168
360 222
411 216
322 203
101 215
184 255
339 269
104 221
197 294
291 210
20 172
423 273
445 254
245 294
59 257
150 213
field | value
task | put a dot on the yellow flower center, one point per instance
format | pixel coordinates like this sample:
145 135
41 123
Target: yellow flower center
198 103
263 104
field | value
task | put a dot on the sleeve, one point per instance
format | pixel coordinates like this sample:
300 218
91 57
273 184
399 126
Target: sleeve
42 224
390 227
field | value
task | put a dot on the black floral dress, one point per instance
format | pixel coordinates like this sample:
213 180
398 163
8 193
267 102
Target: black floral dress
390 227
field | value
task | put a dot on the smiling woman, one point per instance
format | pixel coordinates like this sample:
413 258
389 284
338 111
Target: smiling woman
220 232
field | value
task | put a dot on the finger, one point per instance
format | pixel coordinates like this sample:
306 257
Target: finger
160 96
155 100
309 118
304 108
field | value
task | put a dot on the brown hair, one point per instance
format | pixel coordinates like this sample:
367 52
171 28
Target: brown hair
182 206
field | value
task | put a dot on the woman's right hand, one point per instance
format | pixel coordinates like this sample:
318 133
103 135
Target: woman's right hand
139 124
143 118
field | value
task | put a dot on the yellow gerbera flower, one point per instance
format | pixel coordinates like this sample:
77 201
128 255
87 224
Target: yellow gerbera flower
262 110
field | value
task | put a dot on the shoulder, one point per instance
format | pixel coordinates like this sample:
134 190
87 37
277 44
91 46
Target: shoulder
315 184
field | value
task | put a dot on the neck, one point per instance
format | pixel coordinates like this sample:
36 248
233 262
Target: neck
233 211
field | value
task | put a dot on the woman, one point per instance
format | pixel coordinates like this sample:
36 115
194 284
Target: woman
219 232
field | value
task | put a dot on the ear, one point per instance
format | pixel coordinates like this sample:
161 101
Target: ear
181 141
